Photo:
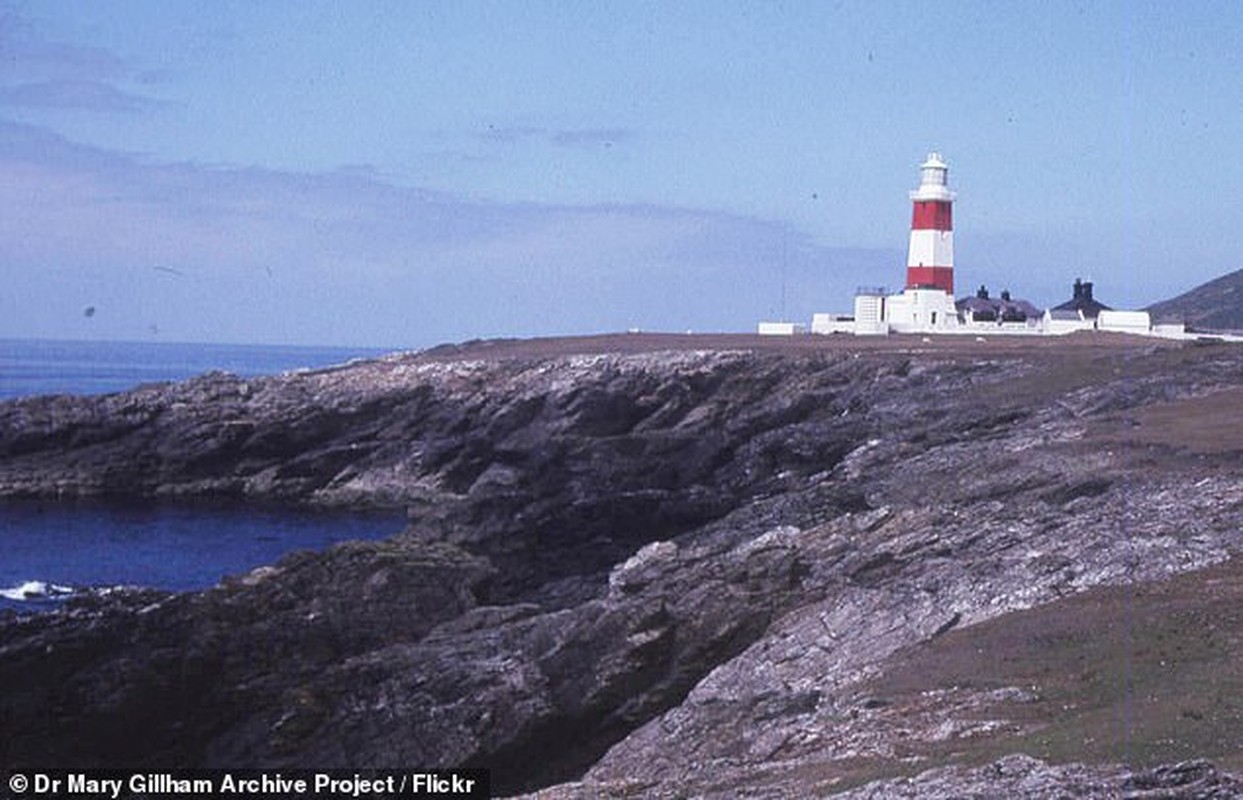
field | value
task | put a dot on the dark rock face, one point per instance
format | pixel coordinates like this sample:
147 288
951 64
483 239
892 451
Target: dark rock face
548 468
670 572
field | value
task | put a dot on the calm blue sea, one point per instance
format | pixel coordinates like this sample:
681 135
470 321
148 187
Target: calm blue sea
39 366
50 550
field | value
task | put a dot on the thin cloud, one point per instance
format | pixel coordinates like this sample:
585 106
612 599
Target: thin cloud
593 137
511 135
78 95
347 257
44 74
29 55
58 60
569 137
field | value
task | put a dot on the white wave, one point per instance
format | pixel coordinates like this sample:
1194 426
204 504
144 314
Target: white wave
35 590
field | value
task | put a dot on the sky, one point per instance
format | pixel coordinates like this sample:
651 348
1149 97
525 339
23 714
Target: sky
407 173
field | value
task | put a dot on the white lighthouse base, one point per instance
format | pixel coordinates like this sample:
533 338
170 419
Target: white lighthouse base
921 311
933 311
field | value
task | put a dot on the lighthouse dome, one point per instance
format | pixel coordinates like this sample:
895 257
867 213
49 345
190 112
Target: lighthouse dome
933 180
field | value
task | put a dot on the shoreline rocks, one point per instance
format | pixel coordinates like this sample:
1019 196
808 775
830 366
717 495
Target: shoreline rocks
670 569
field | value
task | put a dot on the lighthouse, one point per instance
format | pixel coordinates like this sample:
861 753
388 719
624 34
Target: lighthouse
927 305
930 259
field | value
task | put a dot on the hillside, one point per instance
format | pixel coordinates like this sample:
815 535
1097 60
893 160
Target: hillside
678 566
1216 305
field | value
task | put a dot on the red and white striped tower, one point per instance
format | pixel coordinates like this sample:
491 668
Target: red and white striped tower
930 260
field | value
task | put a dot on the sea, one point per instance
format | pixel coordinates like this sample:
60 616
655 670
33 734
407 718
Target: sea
50 551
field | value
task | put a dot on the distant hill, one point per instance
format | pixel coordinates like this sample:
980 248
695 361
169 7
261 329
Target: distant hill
1216 305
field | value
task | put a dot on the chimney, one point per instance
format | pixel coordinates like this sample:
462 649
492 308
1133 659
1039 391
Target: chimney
1087 290
982 293
1005 295
1078 289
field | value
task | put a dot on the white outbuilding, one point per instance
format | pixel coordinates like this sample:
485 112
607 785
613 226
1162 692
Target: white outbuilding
1124 321
781 328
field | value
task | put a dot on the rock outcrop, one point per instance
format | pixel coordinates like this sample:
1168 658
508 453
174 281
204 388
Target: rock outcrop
676 572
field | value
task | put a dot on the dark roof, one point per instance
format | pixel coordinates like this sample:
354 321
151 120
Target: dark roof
1020 307
1006 308
976 305
1083 301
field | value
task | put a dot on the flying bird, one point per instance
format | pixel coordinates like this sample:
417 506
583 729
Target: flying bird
88 312
170 271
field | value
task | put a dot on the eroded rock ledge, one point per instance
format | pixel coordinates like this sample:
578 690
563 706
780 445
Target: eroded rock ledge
689 571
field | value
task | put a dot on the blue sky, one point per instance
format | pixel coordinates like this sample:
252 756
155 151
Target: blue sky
405 173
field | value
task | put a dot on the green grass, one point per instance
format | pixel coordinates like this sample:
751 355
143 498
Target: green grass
1138 675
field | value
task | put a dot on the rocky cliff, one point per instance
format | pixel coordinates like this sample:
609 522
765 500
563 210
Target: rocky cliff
671 566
